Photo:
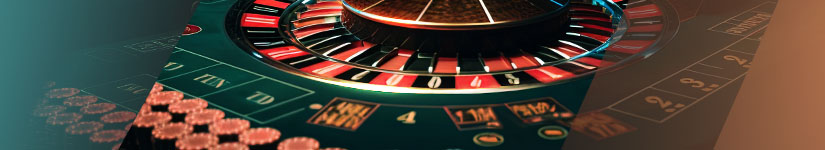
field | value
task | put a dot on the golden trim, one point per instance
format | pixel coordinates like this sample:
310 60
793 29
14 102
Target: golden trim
447 26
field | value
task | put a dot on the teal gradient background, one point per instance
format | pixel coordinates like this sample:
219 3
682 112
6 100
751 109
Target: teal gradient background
46 40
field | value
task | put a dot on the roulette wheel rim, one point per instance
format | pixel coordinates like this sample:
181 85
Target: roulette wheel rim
284 26
667 33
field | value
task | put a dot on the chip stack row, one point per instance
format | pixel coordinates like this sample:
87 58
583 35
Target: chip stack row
169 121
76 116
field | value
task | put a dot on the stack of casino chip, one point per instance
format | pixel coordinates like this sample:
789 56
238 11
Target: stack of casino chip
197 141
59 103
98 108
74 115
61 93
260 138
179 110
84 127
168 121
165 121
159 101
64 118
107 136
229 129
202 118
153 114
299 143
104 114
144 124
80 100
165 136
118 117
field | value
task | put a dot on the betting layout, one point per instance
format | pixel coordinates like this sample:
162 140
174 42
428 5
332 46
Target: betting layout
361 74
689 96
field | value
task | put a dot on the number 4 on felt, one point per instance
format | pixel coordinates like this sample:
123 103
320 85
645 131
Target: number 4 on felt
407 118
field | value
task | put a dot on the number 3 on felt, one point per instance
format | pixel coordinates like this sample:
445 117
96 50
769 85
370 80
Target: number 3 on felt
407 118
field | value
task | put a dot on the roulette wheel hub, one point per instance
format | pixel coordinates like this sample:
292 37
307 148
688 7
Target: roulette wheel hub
458 14
453 28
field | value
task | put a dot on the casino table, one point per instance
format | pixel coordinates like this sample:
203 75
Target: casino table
430 74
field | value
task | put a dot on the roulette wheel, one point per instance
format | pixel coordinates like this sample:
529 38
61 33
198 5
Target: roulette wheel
434 48
413 74
417 74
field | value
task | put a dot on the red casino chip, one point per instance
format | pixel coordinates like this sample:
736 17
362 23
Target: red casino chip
172 131
156 88
164 98
84 127
165 136
49 110
191 29
230 146
62 92
259 136
204 116
65 118
152 119
299 143
106 136
196 141
187 106
80 100
228 126
98 108
118 117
